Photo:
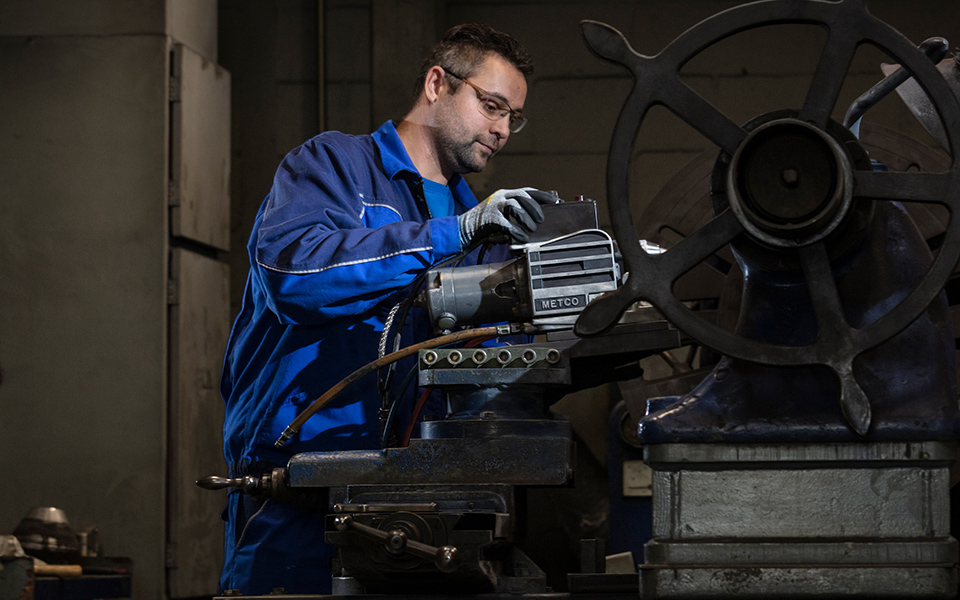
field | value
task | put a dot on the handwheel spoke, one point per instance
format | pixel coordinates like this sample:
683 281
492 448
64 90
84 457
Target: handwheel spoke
703 116
835 348
695 248
828 79
603 312
905 187
823 293
854 402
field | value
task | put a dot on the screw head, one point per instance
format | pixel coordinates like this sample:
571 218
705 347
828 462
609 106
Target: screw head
790 177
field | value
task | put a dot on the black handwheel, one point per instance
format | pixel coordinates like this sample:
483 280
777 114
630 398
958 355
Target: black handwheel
799 225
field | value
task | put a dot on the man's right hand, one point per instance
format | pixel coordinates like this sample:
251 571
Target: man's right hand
513 212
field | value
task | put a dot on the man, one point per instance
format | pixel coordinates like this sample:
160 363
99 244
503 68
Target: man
348 225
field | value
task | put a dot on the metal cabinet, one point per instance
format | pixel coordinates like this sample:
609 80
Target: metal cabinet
199 149
114 215
199 326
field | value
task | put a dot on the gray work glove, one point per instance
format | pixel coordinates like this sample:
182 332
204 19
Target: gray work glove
513 212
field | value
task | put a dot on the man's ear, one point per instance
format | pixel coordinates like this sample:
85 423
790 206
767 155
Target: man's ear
434 83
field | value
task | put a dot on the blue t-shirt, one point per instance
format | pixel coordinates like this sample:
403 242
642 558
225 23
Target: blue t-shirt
439 199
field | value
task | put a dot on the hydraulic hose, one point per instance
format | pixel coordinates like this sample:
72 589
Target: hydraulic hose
330 394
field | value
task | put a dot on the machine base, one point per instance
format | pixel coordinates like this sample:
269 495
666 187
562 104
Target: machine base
801 521
812 581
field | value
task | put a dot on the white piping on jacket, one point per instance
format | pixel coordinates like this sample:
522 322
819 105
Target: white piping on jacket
345 264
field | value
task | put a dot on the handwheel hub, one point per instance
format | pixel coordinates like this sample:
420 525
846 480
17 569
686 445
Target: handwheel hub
789 183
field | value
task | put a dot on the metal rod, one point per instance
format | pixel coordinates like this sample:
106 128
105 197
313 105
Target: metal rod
935 48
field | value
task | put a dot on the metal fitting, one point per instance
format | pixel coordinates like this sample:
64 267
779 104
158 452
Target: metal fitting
480 357
529 356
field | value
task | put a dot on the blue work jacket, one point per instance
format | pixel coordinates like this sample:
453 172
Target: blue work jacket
338 241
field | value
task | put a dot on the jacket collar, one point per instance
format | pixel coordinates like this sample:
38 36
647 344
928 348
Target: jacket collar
396 161
393 154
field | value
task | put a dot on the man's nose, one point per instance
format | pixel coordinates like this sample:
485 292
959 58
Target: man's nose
501 128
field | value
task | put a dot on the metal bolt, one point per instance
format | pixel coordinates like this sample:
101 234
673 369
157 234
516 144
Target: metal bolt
446 322
430 357
454 357
553 356
397 541
790 177
480 356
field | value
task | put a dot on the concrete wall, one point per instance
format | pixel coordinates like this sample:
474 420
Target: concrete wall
82 332
85 237
190 22
271 51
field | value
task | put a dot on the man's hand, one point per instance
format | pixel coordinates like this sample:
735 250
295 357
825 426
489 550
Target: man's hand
514 212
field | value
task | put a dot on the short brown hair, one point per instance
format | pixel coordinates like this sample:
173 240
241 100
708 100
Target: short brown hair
464 48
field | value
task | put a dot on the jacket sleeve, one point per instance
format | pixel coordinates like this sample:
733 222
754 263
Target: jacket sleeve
325 248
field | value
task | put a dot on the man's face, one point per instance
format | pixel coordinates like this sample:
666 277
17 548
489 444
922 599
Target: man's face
466 138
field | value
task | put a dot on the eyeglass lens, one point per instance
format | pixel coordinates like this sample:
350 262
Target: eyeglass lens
492 107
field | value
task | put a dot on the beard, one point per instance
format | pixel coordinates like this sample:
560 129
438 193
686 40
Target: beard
463 156
460 148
